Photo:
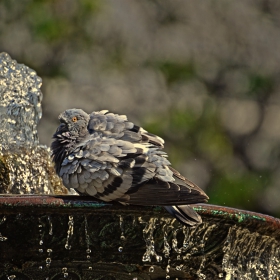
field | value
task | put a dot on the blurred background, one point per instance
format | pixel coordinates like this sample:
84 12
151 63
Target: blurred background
204 75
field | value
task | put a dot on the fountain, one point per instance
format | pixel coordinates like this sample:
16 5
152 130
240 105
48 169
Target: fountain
45 233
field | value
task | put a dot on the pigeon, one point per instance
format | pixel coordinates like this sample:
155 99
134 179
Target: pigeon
105 156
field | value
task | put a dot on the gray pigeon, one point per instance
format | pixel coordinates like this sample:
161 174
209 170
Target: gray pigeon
105 156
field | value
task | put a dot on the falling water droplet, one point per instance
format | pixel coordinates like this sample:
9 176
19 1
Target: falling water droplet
65 273
50 226
11 277
49 251
41 242
40 267
151 269
120 249
88 250
221 275
3 220
167 268
41 250
90 267
48 262
3 238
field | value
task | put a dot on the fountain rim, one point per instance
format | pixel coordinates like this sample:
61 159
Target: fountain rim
14 203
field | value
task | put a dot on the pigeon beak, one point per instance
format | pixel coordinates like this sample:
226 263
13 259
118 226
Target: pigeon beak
62 127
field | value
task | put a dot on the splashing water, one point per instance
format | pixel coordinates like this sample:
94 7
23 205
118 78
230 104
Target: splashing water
149 239
250 256
69 232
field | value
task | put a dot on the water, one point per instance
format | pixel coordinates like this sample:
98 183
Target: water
88 250
149 239
70 232
166 247
250 256
3 238
50 225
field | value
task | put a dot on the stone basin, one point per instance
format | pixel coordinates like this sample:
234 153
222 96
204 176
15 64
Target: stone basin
71 237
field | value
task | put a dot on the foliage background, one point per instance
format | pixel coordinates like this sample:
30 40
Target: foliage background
204 75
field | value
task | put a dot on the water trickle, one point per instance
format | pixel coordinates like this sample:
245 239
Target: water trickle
48 262
201 267
41 242
65 273
195 239
3 238
48 259
179 267
3 220
40 267
166 246
122 227
88 250
69 232
148 232
167 270
122 237
50 226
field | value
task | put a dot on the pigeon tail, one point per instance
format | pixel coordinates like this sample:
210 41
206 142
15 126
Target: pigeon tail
184 214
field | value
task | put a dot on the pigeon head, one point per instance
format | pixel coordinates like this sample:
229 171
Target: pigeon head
72 130
74 121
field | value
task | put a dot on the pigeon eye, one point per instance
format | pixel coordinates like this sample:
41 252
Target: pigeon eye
74 119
